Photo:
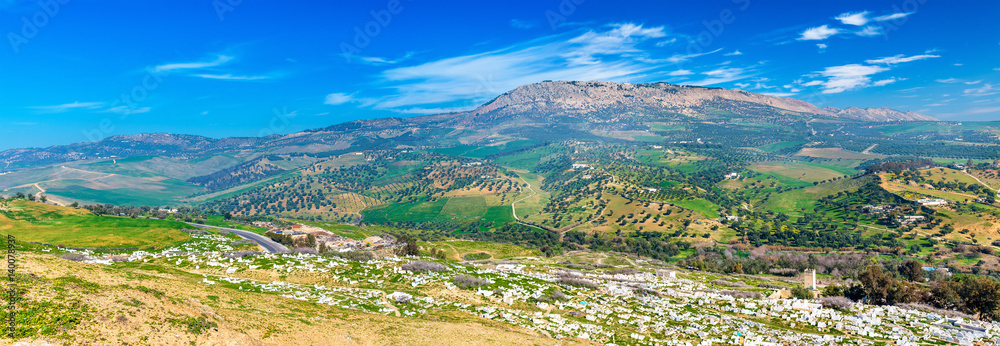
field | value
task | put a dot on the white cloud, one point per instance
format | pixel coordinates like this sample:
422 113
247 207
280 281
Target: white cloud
812 83
892 16
949 80
779 94
229 77
723 75
380 61
621 39
973 82
338 99
869 31
676 58
856 18
986 90
821 46
221 59
680 73
899 58
742 85
958 64
666 42
847 77
342 98
884 82
68 107
733 53
996 69
818 33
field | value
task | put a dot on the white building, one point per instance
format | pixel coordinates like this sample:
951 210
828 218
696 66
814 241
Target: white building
932 201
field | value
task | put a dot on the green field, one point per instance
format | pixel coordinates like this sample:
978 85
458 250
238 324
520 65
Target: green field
778 146
700 206
792 202
483 151
451 209
37 222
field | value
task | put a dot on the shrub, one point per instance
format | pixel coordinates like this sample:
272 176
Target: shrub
572 280
802 293
466 281
423 266
839 303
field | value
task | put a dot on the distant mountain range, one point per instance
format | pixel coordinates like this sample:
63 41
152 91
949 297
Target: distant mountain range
547 110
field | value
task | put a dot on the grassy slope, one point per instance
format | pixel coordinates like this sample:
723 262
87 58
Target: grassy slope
44 223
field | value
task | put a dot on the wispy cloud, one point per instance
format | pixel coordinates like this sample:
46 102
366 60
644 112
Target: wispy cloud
818 33
380 61
342 98
680 73
899 58
884 82
948 81
734 53
229 76
892 16
856 18
778 94
848 77
724 75
68 107
219 60
986 90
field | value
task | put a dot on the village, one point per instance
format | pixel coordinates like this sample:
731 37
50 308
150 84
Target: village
645 303
324 239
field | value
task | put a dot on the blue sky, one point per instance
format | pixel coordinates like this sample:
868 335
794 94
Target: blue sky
86 70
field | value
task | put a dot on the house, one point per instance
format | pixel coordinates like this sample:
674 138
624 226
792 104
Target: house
580 166
650 189
932 201
732 175
907 219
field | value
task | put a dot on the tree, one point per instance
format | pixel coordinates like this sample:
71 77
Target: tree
410 249
43 198
981 296
802 293
913 270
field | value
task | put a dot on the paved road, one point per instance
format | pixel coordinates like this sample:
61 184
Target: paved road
266 243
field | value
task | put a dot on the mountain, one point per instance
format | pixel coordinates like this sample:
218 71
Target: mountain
877 114
550 110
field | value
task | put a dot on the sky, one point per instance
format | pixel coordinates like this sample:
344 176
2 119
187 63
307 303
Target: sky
76 71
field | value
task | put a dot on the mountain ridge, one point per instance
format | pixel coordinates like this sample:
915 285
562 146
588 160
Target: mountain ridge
580 106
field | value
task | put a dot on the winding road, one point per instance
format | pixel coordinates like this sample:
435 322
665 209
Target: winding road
266 243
